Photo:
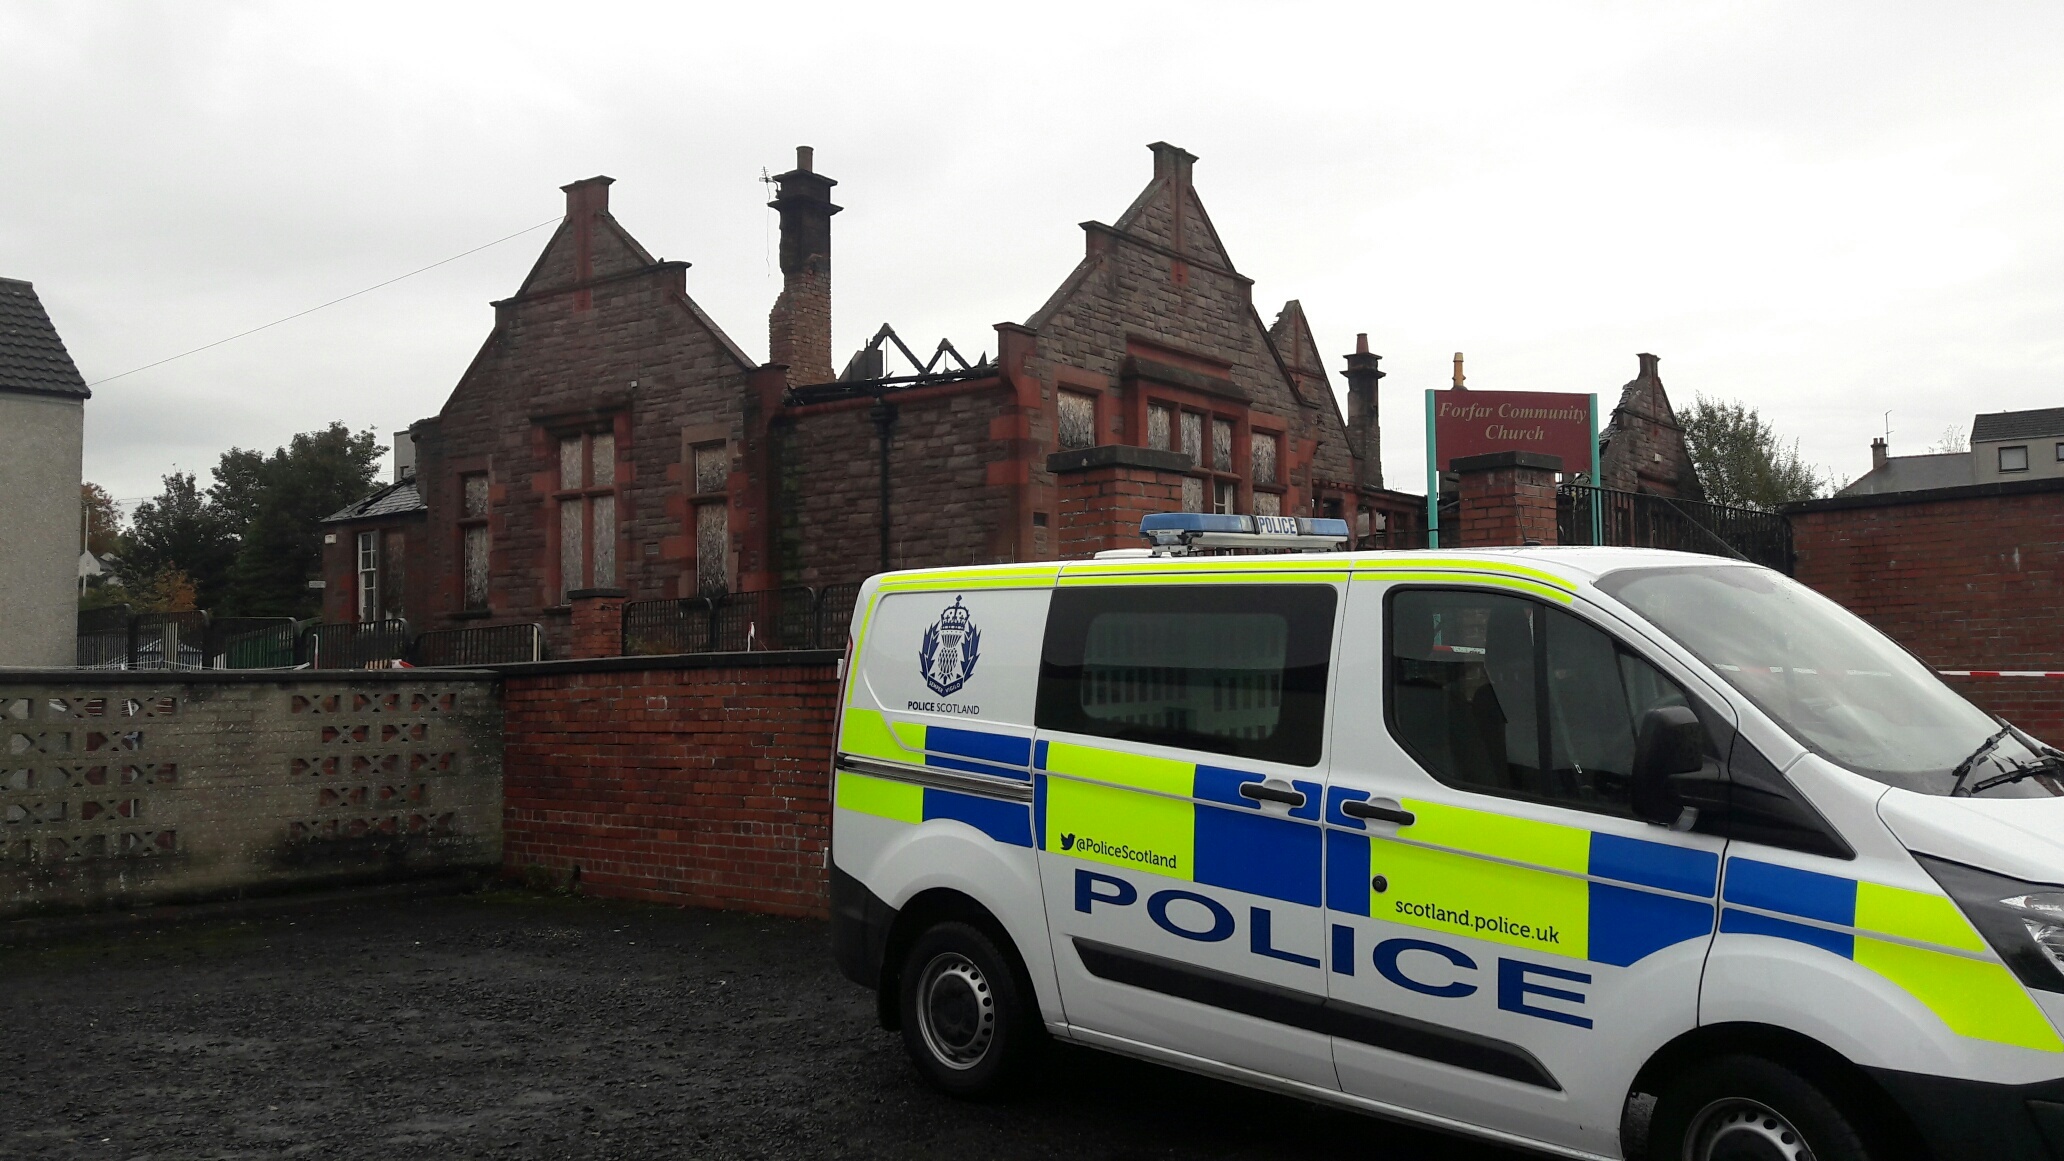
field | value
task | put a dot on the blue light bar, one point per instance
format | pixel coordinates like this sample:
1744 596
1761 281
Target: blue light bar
1263 526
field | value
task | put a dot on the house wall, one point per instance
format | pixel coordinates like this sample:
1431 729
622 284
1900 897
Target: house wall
2045 459
411 568
124 789
40 445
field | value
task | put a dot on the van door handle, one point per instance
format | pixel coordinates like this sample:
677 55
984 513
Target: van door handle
1263 792
1379 812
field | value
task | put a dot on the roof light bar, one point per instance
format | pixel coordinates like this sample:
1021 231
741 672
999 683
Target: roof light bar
1173 533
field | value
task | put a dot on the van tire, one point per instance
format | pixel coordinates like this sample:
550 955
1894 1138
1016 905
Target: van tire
969 1024
1754 1102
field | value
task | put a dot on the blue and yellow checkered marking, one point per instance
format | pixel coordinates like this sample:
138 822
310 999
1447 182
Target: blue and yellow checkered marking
1919 940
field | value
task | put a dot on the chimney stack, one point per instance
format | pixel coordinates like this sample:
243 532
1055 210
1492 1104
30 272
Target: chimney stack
585 200
799 327
1364 435
1880 452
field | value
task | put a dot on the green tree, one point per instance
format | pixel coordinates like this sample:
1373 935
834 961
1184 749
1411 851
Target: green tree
178 530
103 519
1741 460
283 499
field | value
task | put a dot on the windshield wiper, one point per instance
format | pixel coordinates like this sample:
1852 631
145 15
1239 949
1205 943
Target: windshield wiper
2047 764
1963 770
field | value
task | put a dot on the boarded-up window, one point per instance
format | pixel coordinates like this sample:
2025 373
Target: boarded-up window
603 511
476 566
1262 459
394 577
570 541
712 468
1078 420
1193 437
587 512
711 546
1160 418
1268 504
1222 444
1192 494
1222 497
571 475
474 487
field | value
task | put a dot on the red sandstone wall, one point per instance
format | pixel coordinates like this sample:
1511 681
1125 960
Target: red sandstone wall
1970 582
704 785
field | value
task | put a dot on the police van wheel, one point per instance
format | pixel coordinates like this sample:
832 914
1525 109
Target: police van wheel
1746 1108
967 1024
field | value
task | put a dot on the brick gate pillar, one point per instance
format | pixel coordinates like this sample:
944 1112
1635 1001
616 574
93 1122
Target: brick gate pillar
1508 499
597 622
1105 490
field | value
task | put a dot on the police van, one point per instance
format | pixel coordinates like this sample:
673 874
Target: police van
1602 852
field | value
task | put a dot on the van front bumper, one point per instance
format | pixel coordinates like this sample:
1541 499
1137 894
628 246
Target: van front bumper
1967 1119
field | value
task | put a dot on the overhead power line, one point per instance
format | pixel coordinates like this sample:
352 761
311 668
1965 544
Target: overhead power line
332 302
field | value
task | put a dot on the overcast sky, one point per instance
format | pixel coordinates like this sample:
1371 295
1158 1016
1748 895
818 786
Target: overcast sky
1825 210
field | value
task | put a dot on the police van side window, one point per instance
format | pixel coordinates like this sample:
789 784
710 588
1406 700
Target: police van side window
1226 669
1500 694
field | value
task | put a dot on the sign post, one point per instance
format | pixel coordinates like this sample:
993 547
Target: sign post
1433 470
1597 495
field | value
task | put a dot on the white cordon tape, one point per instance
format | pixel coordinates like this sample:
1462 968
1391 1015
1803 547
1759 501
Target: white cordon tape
2001 672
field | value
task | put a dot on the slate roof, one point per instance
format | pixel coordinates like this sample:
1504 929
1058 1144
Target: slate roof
392 500
32 358
2035 424
1915 474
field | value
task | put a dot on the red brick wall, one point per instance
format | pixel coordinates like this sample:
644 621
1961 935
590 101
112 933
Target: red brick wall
1969 578
1507 500
698 781
1101 507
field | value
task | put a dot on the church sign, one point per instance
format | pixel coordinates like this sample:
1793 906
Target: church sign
1462 423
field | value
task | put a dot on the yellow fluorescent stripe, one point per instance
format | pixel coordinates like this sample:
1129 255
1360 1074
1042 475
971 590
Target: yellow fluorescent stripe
1375 564
1450 578
1975 998
1522 840
1071 580
1162 775
866 731
1210 564
1914 915
1103 824
911 734
865 617
881 797
1463 895
1025 577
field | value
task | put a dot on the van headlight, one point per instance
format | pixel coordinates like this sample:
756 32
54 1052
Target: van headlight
2043 915
2024 922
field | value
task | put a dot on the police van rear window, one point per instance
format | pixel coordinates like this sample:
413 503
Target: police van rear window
1225 669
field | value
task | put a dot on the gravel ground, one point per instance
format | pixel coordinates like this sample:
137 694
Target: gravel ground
530 1026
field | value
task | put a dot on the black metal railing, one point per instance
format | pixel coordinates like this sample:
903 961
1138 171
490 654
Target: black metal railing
478 645
1587 515
357 645
789 618
115 638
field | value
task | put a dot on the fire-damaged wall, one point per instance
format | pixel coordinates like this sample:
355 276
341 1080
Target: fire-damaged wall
125 789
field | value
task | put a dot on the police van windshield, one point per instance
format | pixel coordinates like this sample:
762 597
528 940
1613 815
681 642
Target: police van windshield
1837 685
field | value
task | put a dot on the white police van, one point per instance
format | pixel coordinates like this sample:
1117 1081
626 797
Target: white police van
1581 849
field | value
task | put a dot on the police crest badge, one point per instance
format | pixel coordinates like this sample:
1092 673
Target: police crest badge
951 647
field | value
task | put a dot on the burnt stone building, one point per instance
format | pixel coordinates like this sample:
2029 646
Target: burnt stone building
610 436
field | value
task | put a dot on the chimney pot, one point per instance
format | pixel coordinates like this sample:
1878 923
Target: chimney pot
805 158
1648 364
1361 344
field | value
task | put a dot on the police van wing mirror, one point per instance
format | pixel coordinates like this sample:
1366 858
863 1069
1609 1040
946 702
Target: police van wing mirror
1671 743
